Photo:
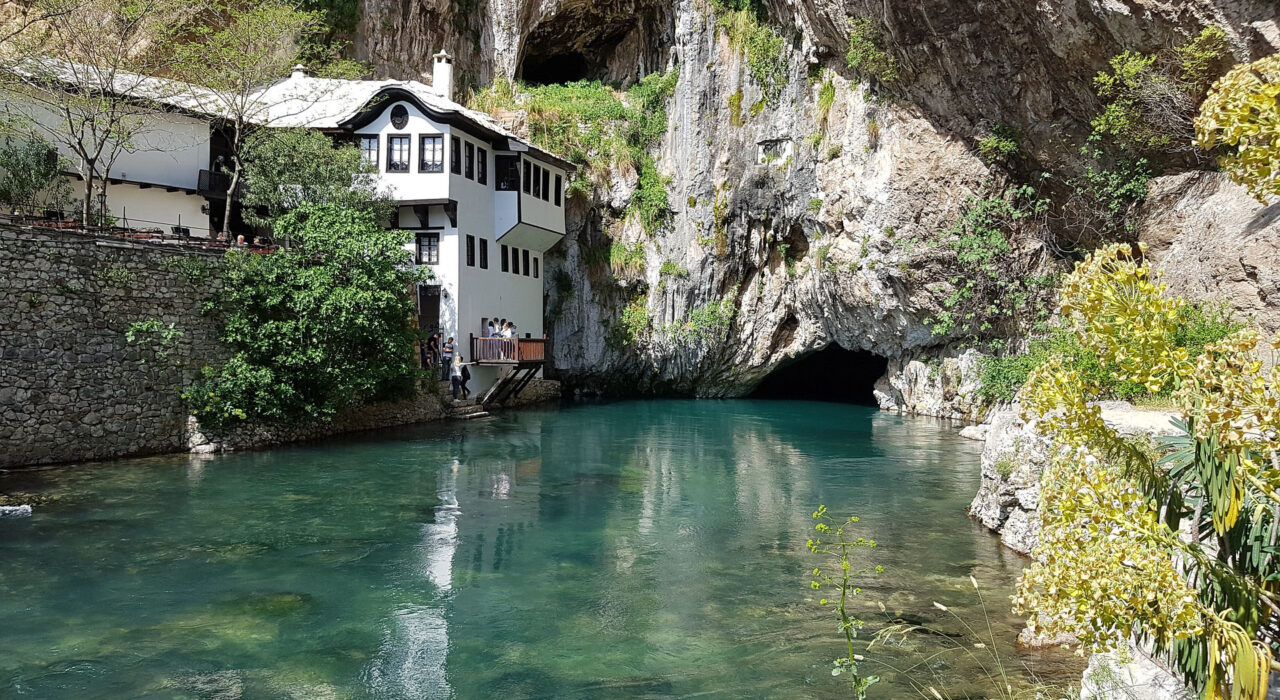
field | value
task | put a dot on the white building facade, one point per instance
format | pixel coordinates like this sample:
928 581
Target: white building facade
484 205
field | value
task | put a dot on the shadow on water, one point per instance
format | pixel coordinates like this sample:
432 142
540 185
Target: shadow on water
607 550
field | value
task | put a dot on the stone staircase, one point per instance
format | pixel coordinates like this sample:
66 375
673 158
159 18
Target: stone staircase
469 409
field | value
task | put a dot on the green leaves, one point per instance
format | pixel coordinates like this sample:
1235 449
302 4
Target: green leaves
1241 115
287 167
316 327
866 53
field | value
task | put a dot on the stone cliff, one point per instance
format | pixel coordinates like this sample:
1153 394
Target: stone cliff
807 203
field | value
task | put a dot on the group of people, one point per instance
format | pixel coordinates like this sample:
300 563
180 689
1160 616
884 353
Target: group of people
501 328
452 365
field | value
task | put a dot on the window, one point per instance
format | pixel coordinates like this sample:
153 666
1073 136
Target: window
397 154
369 149
537 181
431 153
526 263
535 268
470 165
528 173
505 267
429 248
455 155
482 166
515 261
471 250
507 173
484 254
558 186
546 185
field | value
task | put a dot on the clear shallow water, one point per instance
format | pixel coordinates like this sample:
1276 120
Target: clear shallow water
640 549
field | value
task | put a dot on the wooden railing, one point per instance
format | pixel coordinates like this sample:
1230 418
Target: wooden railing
507 350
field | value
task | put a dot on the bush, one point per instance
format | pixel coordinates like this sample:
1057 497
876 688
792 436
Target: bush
600 129
1151 99
746 26
1196 326
316 327
1000 145
31 175
626 259
867 55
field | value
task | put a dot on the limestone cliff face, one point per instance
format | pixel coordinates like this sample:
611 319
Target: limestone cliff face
815 227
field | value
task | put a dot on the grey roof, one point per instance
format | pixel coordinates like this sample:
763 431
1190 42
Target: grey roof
300 100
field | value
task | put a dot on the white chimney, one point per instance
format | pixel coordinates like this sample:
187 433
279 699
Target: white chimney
442 75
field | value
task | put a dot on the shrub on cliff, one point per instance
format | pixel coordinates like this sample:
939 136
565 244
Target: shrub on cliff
1180 550
1242 117
601 129
316 327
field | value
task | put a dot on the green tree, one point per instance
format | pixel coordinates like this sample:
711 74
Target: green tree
316 327
31 174
235 49
286 168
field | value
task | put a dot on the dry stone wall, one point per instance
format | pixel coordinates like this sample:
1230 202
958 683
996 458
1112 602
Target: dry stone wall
71 386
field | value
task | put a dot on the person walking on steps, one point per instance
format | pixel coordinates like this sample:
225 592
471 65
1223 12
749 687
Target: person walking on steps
446 351
466 377
455 376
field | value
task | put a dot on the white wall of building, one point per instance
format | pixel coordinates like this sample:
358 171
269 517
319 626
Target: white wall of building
171 151
153 207
544 213
412 186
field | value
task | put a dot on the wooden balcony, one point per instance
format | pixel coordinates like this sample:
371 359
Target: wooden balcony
508 351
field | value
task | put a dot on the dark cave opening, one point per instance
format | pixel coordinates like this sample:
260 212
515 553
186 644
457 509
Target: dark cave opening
830 374
555 69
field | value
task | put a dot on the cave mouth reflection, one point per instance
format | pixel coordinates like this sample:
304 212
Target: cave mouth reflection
830 374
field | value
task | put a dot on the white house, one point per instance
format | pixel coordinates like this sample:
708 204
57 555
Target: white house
484 205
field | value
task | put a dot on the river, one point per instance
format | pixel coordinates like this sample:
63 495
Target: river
616 550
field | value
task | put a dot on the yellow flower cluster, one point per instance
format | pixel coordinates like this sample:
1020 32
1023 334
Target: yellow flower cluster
1107 564
1117 311
1242 112
1102 563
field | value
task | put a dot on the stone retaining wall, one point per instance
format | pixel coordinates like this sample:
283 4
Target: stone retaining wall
422 408
71 385
72 388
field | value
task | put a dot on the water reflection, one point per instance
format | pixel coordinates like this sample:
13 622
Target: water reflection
616 550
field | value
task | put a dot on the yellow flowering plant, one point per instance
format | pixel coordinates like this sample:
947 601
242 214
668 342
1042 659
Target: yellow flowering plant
1178 549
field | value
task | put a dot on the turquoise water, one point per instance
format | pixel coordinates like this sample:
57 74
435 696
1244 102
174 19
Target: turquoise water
638 549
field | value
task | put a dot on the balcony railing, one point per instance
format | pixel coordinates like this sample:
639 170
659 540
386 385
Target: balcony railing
215 184
503 351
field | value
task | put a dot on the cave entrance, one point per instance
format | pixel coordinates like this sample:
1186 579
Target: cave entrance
830 374
556 69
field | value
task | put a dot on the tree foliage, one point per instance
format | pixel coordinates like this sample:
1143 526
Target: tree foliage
1242 116
72 80
232 50
1152 98
1179 549
316 327
31 174
285 168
